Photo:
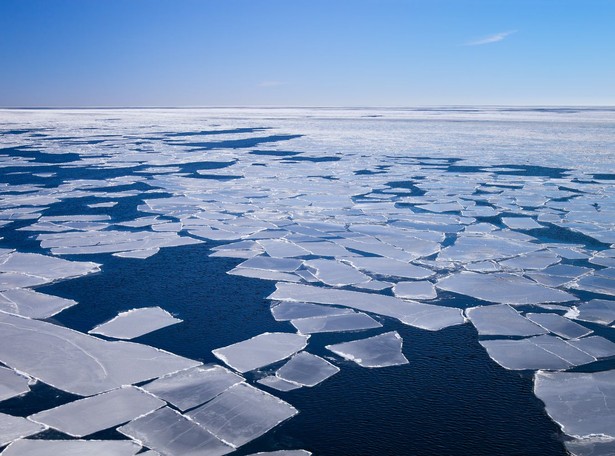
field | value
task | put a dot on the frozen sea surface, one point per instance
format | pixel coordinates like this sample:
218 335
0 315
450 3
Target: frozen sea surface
462 248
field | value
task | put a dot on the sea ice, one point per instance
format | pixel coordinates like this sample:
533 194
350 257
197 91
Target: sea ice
541 352
12 384
412 313
596 284
335 273
16 427
275 382
272 264
261 350
289 310
596 346
32 304
356 321
241 414
601 311
582 404
78 363
591 447
415 290
47 267
533 260
559 325
502 320
93 414
378 351
471 248
172 434
136 322
521 223
502 288
72 448
390 267
192 387
306 369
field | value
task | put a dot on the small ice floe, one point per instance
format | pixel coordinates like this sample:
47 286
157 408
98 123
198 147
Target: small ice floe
12 384
355 321
170 433
278 248
559 325
502 320
102 205
425 316
136 322
521 223
558 275
79 363
192 387
596 284
16 427
289 310
305 369
31 304
138 254
390 267
469 248
596 346
263 274
46 267
594 446
540 352
583 404
272 264
379 351
241 414
96 413
335 273
601 311
275 382
533 260
502 288
36 447
415 290
261 350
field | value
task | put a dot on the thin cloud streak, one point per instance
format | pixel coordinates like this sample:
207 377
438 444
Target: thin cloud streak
490 39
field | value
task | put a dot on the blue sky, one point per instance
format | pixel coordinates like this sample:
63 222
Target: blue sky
306 53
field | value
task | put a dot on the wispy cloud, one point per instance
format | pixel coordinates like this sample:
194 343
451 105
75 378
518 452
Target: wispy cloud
270 83
490 39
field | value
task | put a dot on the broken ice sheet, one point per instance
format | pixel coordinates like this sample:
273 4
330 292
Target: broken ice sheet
594 446
12 384
596 346
47 267
378 351
16 427
32 304
261 350
469 248
78 363
355 321
540 352
390 267
188 388
559 325
411 313
415 290
502 320
306 369
502 288
72 448
596 284
96 413
138 254
533 260
172 434
521 223
601 311
288 310
241 414
272 264
335 273
136 322
582 404
263 274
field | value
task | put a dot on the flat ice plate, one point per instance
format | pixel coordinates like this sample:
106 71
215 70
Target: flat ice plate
93 414
72 448
136 322
16 427
191 387
356 321
378 351
261 350
241 414
306 369
12 384
582 404
502 320
78 363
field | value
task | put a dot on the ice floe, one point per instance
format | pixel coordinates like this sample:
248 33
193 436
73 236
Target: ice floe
261 350
192 387
93 414
306 369
559 325
355 321
16 427
72 448
12 384
601 311
379 351
502 320
136 322
241 414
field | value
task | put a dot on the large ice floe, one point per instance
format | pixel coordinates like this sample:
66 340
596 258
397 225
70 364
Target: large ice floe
433 231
